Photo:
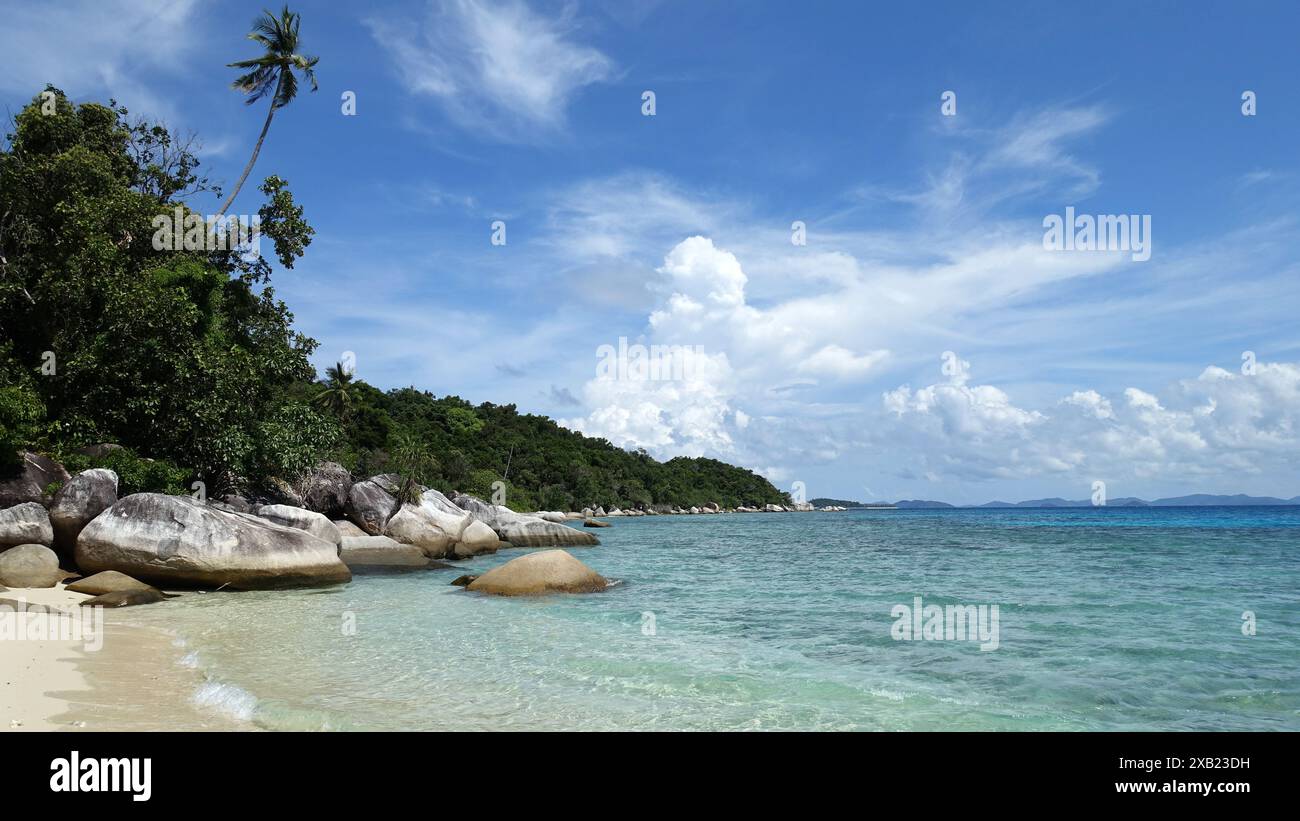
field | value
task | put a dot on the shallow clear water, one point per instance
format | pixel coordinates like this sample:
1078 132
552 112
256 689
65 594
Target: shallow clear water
1109 619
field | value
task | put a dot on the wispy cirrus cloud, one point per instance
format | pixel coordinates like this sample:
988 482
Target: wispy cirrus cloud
89 47
497 67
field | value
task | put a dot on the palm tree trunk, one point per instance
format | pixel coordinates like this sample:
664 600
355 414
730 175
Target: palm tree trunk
256 150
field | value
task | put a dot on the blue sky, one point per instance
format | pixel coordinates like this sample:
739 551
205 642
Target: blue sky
818 363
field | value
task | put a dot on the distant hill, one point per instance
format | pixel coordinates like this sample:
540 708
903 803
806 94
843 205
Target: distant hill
1204 499
1194 500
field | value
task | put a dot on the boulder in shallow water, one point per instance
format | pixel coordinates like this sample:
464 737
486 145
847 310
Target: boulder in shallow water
416 525
81 499
30 565
594 523
549 571
127 598
303 519
109 581
29 481
28 523
476 540
176 540
370 506
523 531
381 551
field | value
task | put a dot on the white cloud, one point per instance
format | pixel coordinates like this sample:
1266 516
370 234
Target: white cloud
1218 424
495 67
745 350
88 47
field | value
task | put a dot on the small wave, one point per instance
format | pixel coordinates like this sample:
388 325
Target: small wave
226 699
614 583
190 660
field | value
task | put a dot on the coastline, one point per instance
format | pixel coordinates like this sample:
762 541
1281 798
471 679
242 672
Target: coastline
132 681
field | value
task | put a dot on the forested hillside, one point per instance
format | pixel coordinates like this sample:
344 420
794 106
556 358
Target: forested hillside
188 360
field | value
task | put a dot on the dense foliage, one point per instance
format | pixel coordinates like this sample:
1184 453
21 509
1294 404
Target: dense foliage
182 355
543 466
187 359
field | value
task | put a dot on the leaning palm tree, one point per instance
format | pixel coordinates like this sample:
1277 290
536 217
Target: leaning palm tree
272 73
337 395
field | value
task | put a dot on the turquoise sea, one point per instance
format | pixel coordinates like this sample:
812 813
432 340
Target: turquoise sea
1109 619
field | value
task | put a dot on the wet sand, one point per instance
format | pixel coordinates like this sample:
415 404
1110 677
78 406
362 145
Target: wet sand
127 677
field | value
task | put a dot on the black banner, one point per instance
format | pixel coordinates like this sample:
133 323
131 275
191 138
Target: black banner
194 770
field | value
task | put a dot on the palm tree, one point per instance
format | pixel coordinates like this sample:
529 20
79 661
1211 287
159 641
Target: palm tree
336 396
272 73
415 462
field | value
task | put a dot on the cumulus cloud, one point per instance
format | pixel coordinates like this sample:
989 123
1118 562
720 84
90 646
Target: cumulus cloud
733 350
1219 423
497 67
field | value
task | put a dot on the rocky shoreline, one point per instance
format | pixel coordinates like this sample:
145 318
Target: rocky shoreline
55 527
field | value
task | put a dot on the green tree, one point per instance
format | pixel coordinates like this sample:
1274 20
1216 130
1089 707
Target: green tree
416 465
337 396
272 73
179 355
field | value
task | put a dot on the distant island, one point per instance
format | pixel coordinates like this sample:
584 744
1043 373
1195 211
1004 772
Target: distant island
1192 500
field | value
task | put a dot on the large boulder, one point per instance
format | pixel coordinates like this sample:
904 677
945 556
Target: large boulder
348 530
549 571
30 565
416 525
178 541
390 482
475 540
381 551
523 531
234 502
472 537
441 528
369 507
109 581
314 523
327 489
279 492
81 499
434 499
29 481
27 523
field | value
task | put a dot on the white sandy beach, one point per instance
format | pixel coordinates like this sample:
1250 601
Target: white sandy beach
129 678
